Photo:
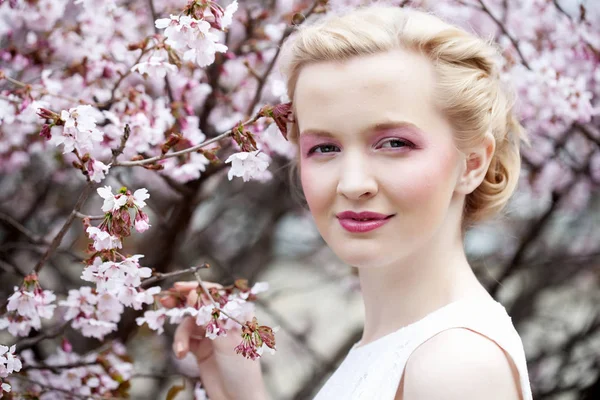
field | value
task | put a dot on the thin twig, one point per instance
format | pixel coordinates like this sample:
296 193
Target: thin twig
514 41
188 150
214 303
8 267
80 202
56 368
50 333
33 238
161 276
91 217
262 80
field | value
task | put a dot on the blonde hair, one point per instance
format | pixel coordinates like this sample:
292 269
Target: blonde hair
469 88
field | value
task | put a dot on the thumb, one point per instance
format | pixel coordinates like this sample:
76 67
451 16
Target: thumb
181 340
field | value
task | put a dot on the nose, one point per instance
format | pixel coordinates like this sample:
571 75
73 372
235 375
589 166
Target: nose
356 180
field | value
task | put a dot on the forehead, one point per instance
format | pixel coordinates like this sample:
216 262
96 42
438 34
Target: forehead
350 95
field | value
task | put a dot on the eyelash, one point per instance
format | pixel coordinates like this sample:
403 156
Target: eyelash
406 143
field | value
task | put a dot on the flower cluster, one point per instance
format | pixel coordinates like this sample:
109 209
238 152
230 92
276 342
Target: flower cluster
27 306
117 222
256 339
232 305
121 280
100 374
9 363
196 37
249 165
94 314
79 131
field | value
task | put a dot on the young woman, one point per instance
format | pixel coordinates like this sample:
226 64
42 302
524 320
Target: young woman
405 139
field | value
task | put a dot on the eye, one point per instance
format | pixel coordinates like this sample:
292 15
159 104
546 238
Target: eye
325 148
396 143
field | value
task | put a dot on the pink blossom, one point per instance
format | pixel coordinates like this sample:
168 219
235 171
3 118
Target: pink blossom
141 222
192 36
79 131
103 240
156 67
97 170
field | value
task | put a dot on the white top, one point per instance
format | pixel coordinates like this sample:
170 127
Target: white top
373 371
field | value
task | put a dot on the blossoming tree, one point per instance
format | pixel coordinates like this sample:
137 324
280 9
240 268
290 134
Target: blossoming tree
100 101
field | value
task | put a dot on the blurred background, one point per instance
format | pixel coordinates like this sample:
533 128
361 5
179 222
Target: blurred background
540 259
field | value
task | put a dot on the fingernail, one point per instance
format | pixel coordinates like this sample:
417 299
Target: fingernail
179 349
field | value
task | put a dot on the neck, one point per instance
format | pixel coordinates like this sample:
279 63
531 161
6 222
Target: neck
400 294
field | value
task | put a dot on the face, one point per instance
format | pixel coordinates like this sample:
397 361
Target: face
372 139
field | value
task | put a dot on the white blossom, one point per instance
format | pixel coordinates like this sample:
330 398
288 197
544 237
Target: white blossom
192 36
111 202
248 165
228 15
79 131
156 67
155 319
139 196
9 363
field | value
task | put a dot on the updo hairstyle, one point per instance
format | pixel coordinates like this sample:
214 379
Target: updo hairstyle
469 89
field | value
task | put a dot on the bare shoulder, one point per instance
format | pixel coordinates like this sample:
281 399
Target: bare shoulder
459 364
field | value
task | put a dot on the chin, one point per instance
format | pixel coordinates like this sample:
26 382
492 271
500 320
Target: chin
361 255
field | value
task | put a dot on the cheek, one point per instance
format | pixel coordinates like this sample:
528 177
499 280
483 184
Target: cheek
430 183
314 185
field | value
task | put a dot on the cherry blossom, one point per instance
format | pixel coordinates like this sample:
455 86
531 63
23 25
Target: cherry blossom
103 240
97 170
91 378
95 315
228 14
156 67
74 74
154 318
79 131
195 37
27 306
248 165
139 196
111 202
9 363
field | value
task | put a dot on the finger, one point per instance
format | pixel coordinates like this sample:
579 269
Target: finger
192 298
185 286
181 340
168 302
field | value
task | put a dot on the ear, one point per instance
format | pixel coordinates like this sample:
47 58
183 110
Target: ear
476 163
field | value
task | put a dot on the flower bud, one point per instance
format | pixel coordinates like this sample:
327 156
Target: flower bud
46 132
66 346
48 114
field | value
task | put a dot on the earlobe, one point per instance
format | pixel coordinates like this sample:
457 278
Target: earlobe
477 161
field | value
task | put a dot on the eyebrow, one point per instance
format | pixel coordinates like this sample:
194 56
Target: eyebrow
380 126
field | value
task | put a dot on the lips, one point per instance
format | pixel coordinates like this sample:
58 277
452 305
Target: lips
363 215
361 222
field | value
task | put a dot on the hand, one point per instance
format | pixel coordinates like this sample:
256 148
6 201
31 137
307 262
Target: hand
224 374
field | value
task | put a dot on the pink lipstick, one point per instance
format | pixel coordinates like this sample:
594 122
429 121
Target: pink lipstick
363 221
